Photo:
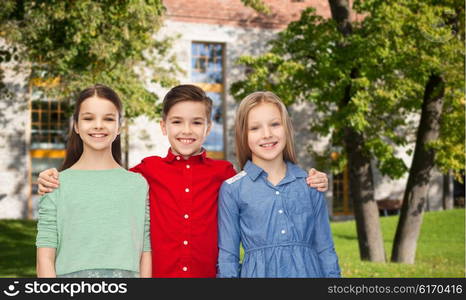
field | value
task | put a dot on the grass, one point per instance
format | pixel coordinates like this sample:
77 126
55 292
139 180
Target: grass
17 248
440 251
440 248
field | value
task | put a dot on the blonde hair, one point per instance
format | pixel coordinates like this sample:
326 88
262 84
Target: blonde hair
243 152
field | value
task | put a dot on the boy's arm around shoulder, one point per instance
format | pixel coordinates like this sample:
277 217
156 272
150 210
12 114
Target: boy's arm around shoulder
47 181
317 180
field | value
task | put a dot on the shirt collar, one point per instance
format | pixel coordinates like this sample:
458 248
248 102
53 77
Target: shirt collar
252 170
201 157
292 171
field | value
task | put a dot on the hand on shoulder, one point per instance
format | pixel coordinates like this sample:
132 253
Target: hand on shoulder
48 181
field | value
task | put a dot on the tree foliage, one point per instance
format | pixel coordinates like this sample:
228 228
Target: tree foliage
394 49
69 45
257 5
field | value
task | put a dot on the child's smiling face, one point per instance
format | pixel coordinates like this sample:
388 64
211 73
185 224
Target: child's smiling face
266 133
186 126
98 123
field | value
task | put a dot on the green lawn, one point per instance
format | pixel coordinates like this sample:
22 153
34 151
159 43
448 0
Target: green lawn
440 253
17 248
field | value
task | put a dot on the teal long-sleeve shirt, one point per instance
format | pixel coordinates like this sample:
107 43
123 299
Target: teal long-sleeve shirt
96 219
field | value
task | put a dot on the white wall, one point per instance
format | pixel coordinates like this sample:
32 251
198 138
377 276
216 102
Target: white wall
14 153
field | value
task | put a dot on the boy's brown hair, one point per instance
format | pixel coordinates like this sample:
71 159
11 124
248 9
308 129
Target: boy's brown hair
186 92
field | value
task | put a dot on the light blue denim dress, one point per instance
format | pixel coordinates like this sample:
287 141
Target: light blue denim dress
284 229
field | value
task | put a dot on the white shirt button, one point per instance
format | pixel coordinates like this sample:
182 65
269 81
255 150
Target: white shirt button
185 242
186 190
188 166
280 211
185 269
283 231
186 216
177 158
277 192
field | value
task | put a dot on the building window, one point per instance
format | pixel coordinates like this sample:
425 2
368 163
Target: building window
207 63
341 200
207 72
49 130
49 126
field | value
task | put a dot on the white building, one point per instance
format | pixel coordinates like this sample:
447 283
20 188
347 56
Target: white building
213 34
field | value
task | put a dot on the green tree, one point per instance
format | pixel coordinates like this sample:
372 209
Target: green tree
258 5
313 59
370 83
68 45
428 37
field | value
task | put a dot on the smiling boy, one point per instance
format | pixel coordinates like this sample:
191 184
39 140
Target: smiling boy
184 188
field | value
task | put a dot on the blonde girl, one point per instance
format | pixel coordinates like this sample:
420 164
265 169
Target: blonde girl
268 208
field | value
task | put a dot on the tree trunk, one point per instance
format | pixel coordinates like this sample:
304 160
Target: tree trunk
409 224
359 164
362 194
447 198
341 13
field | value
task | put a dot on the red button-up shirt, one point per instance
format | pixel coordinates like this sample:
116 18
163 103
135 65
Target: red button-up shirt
183 212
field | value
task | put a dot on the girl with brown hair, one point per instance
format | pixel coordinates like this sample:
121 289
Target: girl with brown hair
96 224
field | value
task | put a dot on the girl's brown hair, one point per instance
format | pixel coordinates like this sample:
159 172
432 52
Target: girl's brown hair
243 152
74 145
